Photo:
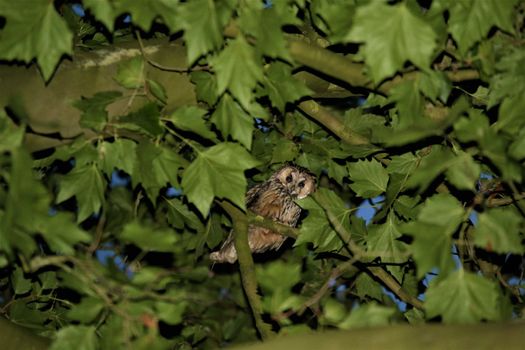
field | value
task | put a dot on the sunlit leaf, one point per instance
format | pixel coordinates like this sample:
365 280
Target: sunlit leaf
34 30
369 178
392 34
463 297
498 230
238 70
87 185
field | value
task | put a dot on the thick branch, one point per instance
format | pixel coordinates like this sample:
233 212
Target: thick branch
505 335
328 62
332 123
247 267
18 337
343 69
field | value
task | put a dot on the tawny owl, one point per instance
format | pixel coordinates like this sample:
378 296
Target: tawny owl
273 199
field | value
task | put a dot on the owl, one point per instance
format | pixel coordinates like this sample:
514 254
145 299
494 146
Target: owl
272 199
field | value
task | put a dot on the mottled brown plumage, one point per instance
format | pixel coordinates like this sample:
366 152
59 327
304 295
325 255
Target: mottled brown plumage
273 199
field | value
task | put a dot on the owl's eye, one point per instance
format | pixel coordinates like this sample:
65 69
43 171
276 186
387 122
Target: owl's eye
289 178
301 184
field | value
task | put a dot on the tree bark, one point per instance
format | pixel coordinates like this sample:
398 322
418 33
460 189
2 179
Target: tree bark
508 336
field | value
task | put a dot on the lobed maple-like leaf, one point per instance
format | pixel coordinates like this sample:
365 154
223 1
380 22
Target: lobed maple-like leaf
392 35
463 297
238 70
34 30
232 120
218 172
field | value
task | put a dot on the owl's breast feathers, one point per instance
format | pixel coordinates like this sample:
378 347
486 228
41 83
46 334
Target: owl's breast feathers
272 202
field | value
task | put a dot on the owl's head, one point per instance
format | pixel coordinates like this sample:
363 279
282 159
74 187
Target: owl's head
297 181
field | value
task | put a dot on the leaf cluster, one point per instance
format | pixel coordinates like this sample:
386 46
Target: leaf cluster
412 110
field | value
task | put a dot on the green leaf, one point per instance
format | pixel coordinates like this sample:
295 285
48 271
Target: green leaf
498 230
435 85
155 168
238 70
232 120
368 315
179 215
32 30
86 311
437 221
383 240
463 297
119 154
75 337
334 17
103 12
316 228
217 172
510 115
336 171
87 185
61 233
369 178
191 118
471 20
363 124
517 148
464 172
432 247
149 238
282 87
333 310
265 25
203 22
130 73
146 120
442 210
144 12
278 275
430 167
157 90
171 313
11 135
409 103
94 114
17 220
205 86
507 82
366 286
403 164
20 284
392 34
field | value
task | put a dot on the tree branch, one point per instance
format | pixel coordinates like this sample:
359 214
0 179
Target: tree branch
257 220
343 69
328 62
246 265
332 123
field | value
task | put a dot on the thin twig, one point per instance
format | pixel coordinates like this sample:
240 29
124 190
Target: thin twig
376 271
162 67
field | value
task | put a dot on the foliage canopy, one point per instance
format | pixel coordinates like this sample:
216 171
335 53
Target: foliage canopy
411 108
